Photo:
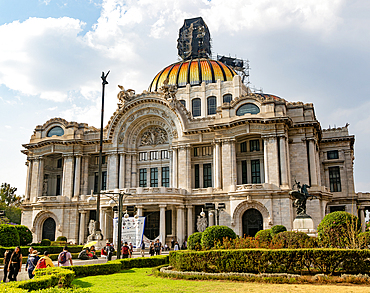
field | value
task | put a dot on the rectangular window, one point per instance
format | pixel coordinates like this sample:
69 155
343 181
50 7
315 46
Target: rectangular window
103 181
207 151
207 175
142 177
154 155
153 177
196 152
332 155
334 178
143 156
244 172
254 145
337 209
168 222
58 191
196 176
103 160
243 146
59 163
164 154
256 173
166 176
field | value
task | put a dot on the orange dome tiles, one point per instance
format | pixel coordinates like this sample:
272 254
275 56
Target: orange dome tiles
193 72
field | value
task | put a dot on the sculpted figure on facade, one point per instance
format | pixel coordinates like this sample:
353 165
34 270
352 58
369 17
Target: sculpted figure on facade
45 187
92 227
169 91
124 95
202 224
154 136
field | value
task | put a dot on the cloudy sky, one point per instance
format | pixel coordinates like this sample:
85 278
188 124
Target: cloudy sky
52 53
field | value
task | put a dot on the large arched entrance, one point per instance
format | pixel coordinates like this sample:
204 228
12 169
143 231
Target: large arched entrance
252 221
48 229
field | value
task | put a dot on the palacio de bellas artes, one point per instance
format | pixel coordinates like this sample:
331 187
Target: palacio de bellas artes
199 147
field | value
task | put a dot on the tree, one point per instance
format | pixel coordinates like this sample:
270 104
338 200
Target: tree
8 196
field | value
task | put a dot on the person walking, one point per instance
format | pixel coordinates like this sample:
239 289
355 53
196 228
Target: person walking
126 251
7 255
176 247
32 260
65 258
142 249
157 247
131 247
151 249
172 243
108 249
15 264
44 262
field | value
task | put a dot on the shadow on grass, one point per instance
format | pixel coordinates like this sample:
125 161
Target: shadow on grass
81 284
127 271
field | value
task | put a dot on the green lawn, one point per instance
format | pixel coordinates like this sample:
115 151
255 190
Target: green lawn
141 280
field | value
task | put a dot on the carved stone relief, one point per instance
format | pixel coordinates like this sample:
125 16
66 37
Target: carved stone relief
154 136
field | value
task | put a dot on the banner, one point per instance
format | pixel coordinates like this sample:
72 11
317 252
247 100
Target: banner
132 230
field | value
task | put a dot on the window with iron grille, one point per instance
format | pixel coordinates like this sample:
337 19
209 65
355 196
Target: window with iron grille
142 177
256 171
254 145
333 155
143 156
227 98
211 105
207 175
244 172
166 176
243 146
196 176
153 177
334 178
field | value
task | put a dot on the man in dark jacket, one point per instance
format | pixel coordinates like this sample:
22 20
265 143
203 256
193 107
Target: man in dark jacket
7 255
32 260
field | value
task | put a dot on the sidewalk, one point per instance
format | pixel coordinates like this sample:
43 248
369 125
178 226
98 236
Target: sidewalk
23 275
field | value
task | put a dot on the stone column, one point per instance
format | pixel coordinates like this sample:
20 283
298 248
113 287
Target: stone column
40 177
81 238
312 151
77 182
273 162
139 210
133 172
265 159
174 167
106 227
122 170
184 167
34 180
112 169
217 164
283 161
229 164
29 179
128 171
68 176
162 223
180 224
85 174
201 176
190 220
102 222
362 218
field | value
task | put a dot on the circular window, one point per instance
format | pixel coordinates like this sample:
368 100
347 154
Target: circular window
57 130
247 108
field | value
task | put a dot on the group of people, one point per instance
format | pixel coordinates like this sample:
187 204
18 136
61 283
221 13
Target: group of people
13 262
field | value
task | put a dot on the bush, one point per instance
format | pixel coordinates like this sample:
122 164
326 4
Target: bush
364 240
25 235
264 236
216 233
328 261
8 235
62 239
45 242
339 230
277 229
194 241
290 239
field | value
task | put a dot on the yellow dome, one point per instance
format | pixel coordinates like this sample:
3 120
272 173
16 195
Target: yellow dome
192 72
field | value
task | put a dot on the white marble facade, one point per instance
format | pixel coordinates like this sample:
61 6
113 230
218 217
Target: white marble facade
173 163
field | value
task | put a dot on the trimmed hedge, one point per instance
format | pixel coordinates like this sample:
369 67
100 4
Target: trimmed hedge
8 235
62 239
25 235
328 261
45 242
194 241
264 236
277 229
291 239
214 234
41 249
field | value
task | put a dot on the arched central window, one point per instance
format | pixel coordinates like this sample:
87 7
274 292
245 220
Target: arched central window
211 105
247 108
227 98
196 107
57 130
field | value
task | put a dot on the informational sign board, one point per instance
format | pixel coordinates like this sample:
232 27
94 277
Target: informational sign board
132 230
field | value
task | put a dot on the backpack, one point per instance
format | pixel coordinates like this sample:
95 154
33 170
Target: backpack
109 249
125 250
63 257
41 264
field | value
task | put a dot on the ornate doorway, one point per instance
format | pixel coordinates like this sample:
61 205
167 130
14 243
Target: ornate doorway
48 229
151 228
252 222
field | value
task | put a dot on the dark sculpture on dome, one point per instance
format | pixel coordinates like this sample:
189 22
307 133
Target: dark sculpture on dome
194 39
301 195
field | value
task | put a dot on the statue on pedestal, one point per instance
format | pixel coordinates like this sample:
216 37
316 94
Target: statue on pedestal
301 195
